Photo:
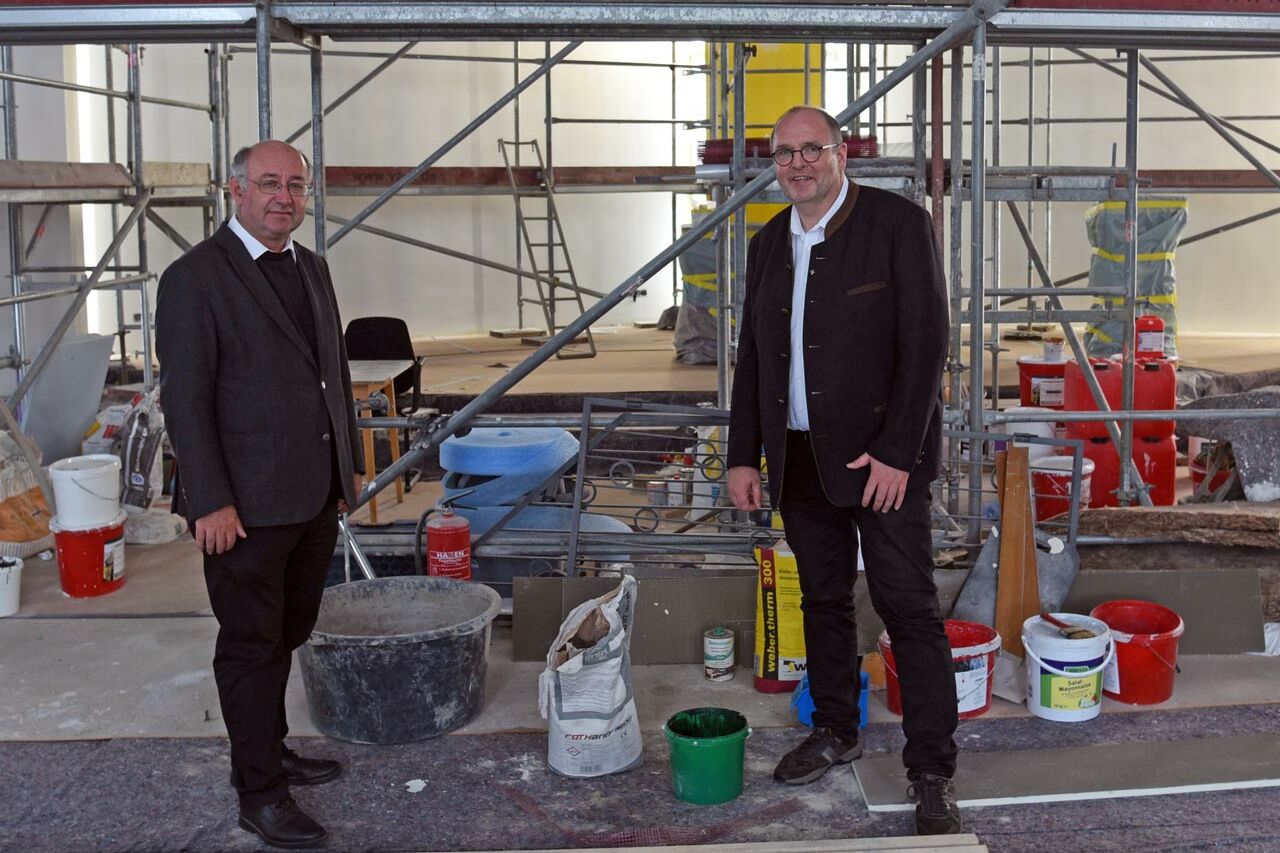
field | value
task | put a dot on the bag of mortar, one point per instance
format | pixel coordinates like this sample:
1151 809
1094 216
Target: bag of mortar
585 691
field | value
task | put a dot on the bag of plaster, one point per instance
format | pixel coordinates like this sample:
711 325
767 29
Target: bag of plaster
585 692
24 514
142 464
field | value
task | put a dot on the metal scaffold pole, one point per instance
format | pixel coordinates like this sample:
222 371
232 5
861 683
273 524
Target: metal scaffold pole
977 209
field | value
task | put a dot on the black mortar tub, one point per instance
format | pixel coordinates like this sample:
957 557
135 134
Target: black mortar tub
398 659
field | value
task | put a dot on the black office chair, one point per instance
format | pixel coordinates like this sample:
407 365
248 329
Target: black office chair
387 338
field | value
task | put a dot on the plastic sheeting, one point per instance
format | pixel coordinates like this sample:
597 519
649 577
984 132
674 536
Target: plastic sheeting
1160 222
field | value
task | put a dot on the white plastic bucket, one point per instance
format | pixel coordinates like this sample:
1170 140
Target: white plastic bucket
1064 677
10 585
1039 429
87 490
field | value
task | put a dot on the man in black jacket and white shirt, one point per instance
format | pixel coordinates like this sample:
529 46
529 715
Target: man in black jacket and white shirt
842 343
256 394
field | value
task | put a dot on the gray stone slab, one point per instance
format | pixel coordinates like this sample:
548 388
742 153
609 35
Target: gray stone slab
1102 771
1222 609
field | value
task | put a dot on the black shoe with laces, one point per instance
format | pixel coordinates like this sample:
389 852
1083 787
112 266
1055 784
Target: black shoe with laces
936 809
282 824
816 755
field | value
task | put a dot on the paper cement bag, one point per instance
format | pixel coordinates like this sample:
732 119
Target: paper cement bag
780 658
585 691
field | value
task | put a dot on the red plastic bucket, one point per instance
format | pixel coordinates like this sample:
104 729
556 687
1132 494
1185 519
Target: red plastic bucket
1041 382
1146 636
90 562
1051 485
973 655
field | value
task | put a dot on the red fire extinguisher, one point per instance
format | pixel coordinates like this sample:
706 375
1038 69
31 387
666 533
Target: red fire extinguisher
1149 337
449 546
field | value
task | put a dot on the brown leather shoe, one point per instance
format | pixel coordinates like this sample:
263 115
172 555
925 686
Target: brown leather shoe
308 771
282 824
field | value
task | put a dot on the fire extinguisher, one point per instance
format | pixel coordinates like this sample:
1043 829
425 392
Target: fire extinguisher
449 546
1149 337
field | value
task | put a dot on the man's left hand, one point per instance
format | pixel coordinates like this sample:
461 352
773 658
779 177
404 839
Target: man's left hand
886 486
357 483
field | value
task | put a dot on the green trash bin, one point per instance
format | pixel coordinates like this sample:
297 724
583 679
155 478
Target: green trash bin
708 746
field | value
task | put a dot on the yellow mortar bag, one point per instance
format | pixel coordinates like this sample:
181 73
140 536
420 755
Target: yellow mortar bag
779 655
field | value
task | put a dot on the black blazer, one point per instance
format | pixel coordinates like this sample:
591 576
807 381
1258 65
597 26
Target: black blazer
253 418
875 333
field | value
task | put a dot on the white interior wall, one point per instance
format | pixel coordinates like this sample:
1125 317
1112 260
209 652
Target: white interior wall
404 115
1227 283
42 121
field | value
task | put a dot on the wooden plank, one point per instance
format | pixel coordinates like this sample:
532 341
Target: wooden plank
41 174
965 843
163 174
514 333
380 177
1016 581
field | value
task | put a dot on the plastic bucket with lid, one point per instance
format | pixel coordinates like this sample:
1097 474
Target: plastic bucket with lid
10 585
1039 429
973 656
1051 485
86 490
1146 658
1064 676
708 749
90 562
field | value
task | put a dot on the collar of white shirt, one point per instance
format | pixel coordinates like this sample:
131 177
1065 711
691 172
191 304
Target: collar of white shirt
252 243
820 227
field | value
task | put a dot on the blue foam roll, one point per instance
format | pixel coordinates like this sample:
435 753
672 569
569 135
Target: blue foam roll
494 451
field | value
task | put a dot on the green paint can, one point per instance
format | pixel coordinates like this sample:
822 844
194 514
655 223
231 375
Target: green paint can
708 748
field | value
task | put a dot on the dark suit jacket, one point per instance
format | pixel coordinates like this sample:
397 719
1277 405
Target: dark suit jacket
254 419
875 335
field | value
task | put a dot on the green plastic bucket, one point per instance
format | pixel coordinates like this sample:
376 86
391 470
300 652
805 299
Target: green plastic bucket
707 751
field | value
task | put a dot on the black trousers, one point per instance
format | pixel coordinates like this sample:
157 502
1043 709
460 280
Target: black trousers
265 594
898 558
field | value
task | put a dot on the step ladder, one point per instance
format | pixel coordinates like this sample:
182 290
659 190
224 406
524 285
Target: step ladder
551 268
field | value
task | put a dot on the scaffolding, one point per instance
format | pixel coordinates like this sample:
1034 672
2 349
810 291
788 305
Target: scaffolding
959 39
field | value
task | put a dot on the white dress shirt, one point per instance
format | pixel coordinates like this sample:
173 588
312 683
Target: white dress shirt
802 242
252 243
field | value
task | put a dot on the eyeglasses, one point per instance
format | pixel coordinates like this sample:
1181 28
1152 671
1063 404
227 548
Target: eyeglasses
271 186
808 153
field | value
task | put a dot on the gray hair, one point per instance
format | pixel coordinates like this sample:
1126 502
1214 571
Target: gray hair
832 125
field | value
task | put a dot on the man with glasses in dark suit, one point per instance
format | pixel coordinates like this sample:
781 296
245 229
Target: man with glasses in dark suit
842 340
256 395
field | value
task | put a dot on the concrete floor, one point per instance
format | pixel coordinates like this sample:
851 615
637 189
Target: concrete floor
134 666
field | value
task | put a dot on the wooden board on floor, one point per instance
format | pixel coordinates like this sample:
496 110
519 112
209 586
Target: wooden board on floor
513 333
1101 771
898 844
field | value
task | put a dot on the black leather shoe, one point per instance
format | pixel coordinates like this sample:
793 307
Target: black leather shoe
282 824
817 754
308 771
936 809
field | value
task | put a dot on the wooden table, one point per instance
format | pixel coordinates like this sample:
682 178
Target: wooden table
368 377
